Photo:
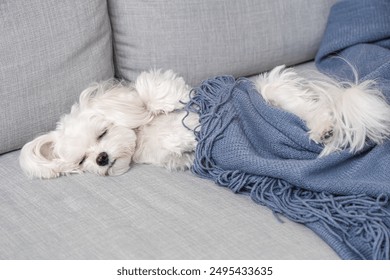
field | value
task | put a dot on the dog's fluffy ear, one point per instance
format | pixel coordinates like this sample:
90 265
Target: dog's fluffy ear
37 158
97 91
88 94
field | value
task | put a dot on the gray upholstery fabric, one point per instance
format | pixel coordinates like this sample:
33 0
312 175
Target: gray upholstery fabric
49 51
203 38
147 213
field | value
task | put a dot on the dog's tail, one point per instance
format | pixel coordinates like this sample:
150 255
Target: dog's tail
363 114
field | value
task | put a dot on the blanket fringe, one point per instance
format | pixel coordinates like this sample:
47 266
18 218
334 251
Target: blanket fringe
343 216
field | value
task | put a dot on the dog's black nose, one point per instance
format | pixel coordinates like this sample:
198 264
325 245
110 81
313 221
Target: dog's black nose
102 159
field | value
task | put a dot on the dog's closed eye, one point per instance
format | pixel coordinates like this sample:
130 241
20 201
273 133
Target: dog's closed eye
102 134
82 160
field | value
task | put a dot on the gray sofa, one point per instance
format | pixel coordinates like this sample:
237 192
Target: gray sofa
51 50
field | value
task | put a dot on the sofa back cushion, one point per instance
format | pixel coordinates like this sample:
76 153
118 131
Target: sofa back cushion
203 38
49 51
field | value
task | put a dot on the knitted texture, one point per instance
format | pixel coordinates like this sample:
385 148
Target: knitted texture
357 35
264 152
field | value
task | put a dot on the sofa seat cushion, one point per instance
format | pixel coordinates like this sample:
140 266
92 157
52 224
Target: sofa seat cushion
147 213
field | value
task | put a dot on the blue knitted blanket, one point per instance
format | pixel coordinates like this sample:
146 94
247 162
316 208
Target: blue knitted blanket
358 31
264 152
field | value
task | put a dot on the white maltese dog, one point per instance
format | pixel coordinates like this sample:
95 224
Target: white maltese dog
115 124
338 115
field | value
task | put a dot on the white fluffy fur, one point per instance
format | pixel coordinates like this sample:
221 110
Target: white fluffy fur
121 123
338 115
115 124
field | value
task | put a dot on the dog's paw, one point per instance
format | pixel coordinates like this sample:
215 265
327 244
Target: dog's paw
162 91
326 136
322 135
321 126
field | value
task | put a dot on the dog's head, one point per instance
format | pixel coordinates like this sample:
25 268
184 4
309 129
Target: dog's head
90 138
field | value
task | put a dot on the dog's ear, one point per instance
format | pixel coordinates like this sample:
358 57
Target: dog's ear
117 101
87 95
95 91
37 158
